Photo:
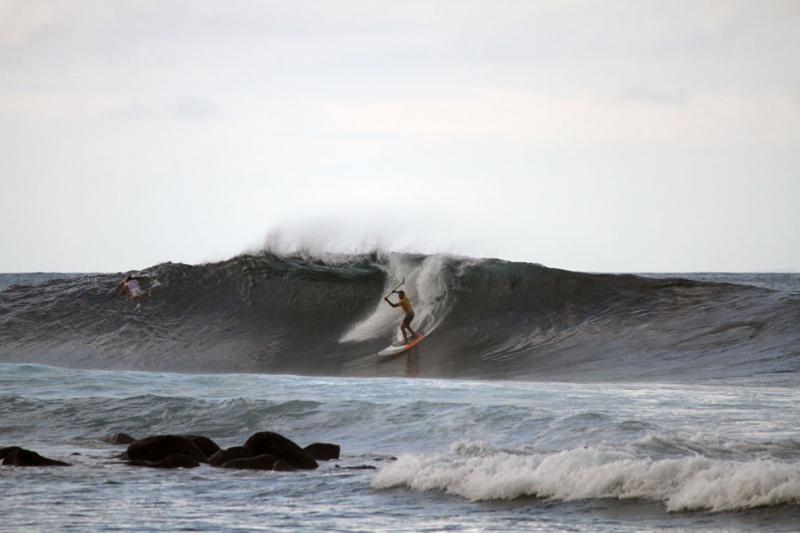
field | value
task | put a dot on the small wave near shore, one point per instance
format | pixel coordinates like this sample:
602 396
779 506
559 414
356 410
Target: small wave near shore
478 473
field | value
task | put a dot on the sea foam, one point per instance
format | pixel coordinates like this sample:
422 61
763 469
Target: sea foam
479 473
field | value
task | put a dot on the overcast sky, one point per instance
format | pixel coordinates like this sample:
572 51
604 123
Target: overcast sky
602 136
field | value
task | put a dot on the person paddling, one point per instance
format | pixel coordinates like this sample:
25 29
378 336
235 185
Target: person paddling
409 311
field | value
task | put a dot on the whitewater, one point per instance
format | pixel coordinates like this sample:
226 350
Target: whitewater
542 400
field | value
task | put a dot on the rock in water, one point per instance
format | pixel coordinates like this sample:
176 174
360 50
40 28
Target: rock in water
228 454
206 445
160 447
282 466
7 450
16 456
322 451
259 462
282 448
176 460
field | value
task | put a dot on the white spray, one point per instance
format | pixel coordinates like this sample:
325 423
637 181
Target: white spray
479 473
424 285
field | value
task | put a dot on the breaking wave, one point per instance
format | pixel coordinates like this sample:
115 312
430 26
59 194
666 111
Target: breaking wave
479 473
485 318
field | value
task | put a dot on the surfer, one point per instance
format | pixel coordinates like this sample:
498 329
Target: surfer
409 311
131 288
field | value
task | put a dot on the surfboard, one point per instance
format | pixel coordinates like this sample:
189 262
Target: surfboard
402 346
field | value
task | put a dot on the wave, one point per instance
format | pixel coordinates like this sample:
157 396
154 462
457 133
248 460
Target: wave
88 419
485 318
479 473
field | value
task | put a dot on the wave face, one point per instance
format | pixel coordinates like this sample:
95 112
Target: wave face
484 319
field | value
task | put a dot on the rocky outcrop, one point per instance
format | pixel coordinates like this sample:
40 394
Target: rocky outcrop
7 450
322 451
228 454
157 448
259 462
263 451
176 460
282 448
16 456
206 445
282 466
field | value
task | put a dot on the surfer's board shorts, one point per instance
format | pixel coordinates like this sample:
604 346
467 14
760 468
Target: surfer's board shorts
407 320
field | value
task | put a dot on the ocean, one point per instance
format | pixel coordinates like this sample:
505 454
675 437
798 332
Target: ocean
542 399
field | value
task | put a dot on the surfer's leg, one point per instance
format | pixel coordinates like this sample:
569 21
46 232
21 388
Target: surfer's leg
407 326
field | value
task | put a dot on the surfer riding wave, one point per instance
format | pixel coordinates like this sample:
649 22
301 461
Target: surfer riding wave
409 312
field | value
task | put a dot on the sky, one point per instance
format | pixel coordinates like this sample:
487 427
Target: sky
619 136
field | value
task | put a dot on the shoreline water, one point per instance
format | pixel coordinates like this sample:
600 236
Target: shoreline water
435 427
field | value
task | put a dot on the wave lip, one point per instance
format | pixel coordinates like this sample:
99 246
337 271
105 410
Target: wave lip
476 472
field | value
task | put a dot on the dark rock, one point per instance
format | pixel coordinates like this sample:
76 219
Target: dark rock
16 456
357 467
259 462
5 451
157 448
282 466
322 451
119 438
282 448
175 460
206 445
235 452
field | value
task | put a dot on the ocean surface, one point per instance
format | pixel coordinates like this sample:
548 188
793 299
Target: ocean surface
542 400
